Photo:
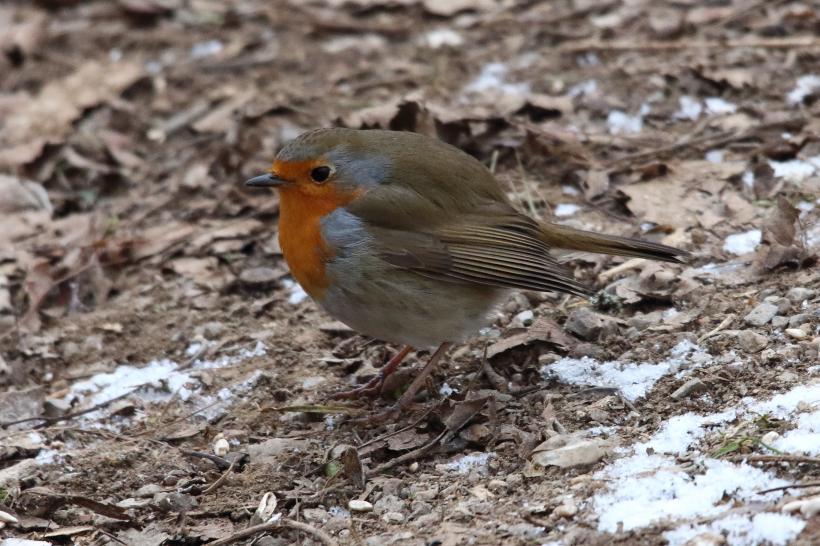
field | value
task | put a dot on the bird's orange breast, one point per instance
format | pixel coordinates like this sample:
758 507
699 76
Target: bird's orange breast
300 234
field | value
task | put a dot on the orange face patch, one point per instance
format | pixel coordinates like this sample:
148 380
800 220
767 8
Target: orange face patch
302 204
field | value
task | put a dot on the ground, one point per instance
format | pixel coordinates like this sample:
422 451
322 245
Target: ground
148 319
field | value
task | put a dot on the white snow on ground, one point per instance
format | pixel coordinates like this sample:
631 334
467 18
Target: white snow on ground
633 380
794 170
689 109
719 107
715 156
743 530
646 486
297 294
743 243
583 89
806 437
157 376
566 209
442 37
468 462
621 122
805 86
492 78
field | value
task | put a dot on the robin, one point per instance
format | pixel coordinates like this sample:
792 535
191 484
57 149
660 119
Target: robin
412 241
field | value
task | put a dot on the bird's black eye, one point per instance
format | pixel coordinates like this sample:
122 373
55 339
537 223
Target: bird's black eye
320 174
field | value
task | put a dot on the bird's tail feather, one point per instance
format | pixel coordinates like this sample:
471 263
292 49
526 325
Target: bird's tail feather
564 237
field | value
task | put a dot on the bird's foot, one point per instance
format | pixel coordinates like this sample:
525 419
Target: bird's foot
406 401
374 386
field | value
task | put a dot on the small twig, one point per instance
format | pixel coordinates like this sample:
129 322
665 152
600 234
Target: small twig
220 463
218 483
175 421
112 537
785 487
631 45
726 322
51 420
408 427
772 459
407 457
273 525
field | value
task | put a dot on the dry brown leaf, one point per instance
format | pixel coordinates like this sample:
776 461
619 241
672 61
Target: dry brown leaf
17 194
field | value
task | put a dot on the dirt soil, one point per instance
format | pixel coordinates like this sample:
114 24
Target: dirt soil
148 320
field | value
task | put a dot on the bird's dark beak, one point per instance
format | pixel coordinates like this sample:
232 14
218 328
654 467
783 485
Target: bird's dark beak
269 180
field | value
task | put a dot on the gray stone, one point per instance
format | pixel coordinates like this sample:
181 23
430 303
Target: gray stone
174 502
525 529
392 486
780 322
783 304
751 341
798 294
586 349
797 320
56 407
693 387
686 336
148 491
260 278
585 324
210 330
133 503
389 503
761 314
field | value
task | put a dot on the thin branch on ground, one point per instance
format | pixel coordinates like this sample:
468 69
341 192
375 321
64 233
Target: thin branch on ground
274 525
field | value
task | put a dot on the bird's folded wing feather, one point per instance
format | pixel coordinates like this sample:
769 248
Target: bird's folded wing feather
492 244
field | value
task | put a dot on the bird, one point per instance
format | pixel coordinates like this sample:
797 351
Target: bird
412 241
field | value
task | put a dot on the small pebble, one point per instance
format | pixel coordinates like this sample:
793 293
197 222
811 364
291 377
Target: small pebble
414 467
691 387
221 447
799 294
526 317
565 511
5 517
359 506
796 333
770 437
761 314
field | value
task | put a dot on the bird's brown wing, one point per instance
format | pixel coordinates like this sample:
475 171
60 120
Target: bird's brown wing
493 249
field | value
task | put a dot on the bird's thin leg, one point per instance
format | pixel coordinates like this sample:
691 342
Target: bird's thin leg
375 384
407 398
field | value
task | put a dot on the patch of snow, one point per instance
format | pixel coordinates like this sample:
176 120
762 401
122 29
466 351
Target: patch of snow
492 78
590 59
743 530
671 312
715 156
566 209
441 37
743 243
633 380
689 108
805 86
583 89
793 170
115 54
638 498
621 122
570 190
159 378
365 44
338 511
719 107
206 49
805 206
749 179
446 390
464 464
297 294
